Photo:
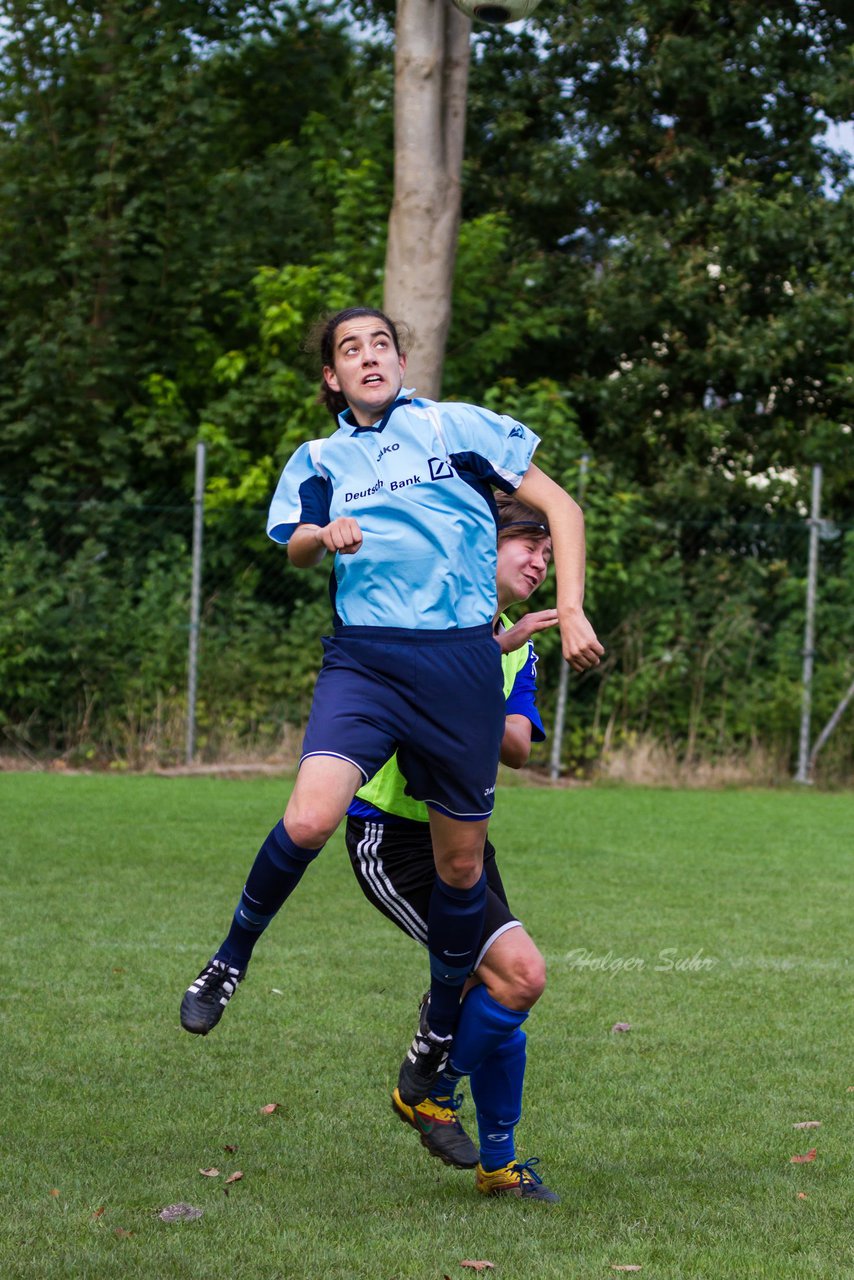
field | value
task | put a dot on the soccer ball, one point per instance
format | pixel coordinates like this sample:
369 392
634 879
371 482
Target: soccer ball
497 12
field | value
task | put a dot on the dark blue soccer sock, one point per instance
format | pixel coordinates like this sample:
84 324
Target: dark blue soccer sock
276 872
496 1088
454 929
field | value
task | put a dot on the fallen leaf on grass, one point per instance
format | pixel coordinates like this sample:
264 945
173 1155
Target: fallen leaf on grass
98 1212
54 1191
270 1108
621 1026
234 1177
802 1195
850 1089
810 1155
209 1173
180 1213
122 1234
479 1266
230 1149
807 1124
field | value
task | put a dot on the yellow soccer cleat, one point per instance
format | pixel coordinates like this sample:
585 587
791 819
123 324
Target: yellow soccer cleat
514 1180
439 1129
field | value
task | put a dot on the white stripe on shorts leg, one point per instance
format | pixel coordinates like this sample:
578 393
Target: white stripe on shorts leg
493 937
335 755
371 866
452 813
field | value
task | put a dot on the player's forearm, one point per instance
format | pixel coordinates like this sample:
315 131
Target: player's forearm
566 525
305 547
580 646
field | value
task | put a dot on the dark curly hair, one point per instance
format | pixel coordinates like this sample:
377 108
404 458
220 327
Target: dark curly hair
324 338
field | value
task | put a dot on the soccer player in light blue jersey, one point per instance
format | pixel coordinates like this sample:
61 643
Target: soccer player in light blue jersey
402 496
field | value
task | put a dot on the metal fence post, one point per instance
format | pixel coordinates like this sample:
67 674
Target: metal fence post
195 599
803 773
563 681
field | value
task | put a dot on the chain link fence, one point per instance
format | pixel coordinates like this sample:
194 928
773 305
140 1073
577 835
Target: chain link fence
125 641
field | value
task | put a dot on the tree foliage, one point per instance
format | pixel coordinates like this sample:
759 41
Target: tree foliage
653 269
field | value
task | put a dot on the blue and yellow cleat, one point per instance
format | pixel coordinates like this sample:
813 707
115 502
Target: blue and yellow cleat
514 1180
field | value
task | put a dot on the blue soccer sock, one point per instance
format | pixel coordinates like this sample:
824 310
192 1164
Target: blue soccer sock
276 872
454 929
496 1089
484 1025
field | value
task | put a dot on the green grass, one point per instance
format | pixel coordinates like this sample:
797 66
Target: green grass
670 1145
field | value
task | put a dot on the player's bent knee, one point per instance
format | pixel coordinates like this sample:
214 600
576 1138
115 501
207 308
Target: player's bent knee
514 971
461 871
309 826
529 979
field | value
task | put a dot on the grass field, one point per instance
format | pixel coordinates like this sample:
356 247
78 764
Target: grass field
716 924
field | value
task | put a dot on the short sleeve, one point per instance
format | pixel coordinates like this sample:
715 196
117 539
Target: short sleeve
522 699
487 446
302 494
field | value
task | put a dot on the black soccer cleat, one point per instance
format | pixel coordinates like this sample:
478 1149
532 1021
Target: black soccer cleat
425 1061
205 999
437 1125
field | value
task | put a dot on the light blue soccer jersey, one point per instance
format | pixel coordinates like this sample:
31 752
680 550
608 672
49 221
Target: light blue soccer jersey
420 484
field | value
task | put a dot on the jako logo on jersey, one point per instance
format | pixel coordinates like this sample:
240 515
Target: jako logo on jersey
440 469
516 434
489 791
389 448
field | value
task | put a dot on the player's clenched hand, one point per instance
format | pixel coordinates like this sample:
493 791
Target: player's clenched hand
520 633
580 647
342 535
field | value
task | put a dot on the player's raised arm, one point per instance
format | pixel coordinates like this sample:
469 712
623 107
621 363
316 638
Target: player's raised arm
581 648
310 542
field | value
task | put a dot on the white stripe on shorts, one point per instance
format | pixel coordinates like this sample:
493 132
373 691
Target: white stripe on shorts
493 937
371 866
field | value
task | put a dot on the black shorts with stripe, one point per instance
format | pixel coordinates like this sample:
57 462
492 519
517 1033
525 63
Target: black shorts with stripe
395 869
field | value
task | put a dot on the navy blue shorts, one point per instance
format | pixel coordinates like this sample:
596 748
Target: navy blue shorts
435 697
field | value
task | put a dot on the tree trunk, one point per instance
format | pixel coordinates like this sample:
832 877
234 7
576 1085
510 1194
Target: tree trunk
432 44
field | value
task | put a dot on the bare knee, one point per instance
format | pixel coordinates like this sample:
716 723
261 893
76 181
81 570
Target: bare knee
460 870
514 971
309 826
319 800
529 979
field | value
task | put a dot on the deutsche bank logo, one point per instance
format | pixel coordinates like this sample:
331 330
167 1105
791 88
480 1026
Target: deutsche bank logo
440 469
516 434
